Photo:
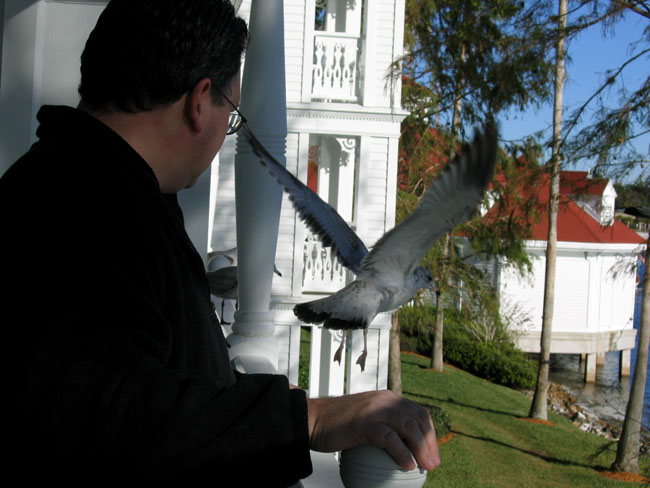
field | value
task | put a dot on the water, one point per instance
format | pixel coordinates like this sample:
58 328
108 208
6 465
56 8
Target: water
607 398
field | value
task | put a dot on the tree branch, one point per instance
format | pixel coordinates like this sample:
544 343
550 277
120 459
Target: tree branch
610 80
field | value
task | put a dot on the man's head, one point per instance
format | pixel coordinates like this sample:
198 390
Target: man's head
145 54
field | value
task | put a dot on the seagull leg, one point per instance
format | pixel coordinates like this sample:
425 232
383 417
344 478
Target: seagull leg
223 303
339 351
362 359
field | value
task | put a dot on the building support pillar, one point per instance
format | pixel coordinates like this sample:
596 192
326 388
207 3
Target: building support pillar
590 368
259 197
625 362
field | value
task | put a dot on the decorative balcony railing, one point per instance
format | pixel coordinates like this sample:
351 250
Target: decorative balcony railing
322 272
335 72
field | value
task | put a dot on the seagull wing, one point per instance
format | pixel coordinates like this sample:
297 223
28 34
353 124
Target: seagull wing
223 282
320 217
449 201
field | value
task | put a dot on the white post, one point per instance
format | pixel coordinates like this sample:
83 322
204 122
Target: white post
590 368
259 197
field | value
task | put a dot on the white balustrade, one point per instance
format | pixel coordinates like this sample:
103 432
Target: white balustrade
322 271
335 68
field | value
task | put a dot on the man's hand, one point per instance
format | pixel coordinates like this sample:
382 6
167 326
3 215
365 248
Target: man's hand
381 418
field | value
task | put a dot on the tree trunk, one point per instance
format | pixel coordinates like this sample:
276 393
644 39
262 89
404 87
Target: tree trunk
394 359
437 346
438 328
538 408
627 452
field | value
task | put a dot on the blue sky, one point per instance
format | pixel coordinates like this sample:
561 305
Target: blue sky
591 54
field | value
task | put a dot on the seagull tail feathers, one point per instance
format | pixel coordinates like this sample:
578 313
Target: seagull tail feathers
315 312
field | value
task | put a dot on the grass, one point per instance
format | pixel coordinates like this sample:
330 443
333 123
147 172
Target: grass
492 447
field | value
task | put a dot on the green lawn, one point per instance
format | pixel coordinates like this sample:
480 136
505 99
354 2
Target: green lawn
492 447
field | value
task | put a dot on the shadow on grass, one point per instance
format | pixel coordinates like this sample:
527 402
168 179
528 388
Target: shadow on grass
451 401
541 455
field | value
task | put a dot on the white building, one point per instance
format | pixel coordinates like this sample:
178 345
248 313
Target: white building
595 275
343 122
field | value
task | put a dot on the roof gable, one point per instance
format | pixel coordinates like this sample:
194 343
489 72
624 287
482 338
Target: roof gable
574 223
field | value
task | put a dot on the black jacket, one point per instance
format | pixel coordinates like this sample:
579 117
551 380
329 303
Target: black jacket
117 365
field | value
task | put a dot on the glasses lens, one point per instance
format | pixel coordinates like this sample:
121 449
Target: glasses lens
234 123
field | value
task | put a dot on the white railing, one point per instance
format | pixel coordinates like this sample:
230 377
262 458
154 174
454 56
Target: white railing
322 272
335 71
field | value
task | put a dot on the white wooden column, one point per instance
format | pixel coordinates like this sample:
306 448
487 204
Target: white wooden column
263 102
326 377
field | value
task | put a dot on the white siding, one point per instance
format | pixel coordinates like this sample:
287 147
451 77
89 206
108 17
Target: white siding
294 31
592 293
384 55
618 283
374 215
525 291
571 293
284 255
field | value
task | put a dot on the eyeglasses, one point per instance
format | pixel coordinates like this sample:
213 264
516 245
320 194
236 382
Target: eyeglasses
236 119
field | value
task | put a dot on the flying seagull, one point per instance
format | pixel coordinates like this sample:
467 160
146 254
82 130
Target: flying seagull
388 276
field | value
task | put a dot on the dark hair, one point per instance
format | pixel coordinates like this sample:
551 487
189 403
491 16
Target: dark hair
144 54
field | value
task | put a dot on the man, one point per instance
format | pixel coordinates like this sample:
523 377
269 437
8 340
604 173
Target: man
118 369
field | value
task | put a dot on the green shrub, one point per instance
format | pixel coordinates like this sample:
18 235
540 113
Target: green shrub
497 360
415 325
440 420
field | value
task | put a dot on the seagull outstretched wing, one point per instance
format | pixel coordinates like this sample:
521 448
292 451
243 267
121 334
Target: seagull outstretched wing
451 200
387 276
320 217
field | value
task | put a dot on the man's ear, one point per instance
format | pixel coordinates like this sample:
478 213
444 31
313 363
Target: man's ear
197 103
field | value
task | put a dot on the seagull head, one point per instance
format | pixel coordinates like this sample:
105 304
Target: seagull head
424 279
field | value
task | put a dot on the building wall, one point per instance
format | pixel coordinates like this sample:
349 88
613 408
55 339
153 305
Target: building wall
295 12
384 43
594 289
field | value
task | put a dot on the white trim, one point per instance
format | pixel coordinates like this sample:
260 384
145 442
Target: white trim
362 184
308 50
598 247
391 183
299 227
369 55
398 48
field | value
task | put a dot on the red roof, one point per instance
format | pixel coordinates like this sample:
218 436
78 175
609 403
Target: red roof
579 182
574 224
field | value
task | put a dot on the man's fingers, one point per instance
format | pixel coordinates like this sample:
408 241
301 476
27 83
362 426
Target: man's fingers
414 427
414 439
383 436
400 426
429 432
